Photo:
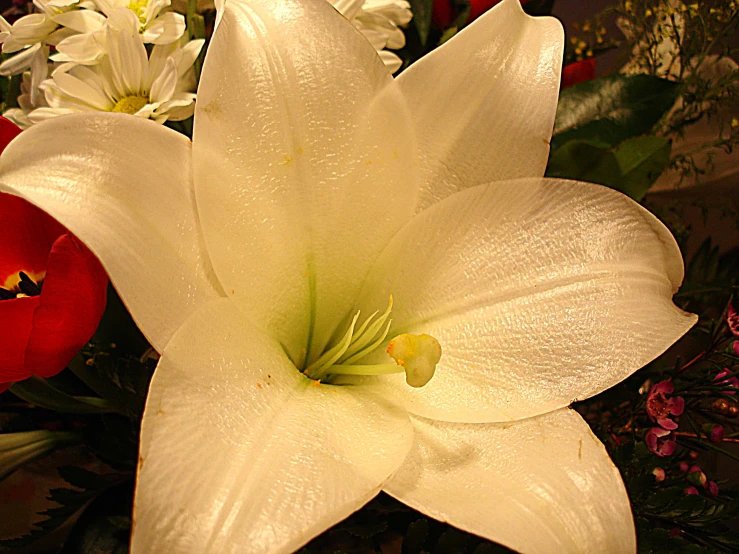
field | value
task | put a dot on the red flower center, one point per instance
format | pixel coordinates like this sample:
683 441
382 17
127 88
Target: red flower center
658 405
21 285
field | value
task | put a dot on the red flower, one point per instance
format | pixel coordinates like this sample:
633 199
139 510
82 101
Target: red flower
660 441
52 289
578 72
726 378
732 319
443 12
660 404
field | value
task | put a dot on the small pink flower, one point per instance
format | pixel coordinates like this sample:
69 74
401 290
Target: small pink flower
717 433
684 466
659 474
732 318
691 490
726 378
660 404
713 488
660 441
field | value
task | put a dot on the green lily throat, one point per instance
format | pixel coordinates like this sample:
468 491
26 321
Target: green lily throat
414 355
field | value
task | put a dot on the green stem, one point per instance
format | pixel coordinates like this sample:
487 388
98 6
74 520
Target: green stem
40 393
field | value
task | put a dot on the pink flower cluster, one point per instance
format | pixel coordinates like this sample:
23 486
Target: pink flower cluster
661 405
732 319
698 479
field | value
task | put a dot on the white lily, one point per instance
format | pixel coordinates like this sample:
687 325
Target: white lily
304 199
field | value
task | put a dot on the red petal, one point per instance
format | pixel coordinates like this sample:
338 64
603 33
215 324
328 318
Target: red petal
17 318
8 131
441 13
26 236
72 303
578 72
479 7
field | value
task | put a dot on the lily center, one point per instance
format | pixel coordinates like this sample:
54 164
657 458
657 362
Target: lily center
414 355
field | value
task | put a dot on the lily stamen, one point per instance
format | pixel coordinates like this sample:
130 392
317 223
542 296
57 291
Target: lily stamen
414 355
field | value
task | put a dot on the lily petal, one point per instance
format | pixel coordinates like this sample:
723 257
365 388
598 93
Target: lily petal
293 456
490 118
539 291
316 164
539 485
123 185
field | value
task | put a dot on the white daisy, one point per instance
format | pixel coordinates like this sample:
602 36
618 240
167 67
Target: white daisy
31 96
31 33
88 46
381 22
126 80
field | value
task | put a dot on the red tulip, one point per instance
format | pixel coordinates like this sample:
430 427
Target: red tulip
578 72
443 11
52 289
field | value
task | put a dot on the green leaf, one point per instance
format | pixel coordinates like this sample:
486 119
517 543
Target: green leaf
415 536
612 109
422 10
642 160
100 534
38 392
631 168
88 486
585 161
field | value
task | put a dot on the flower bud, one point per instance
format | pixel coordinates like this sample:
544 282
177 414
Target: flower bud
717 433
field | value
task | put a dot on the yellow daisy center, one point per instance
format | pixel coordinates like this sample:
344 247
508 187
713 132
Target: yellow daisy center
130 104
139 8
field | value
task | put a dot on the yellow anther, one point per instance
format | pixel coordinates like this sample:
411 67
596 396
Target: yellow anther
418 355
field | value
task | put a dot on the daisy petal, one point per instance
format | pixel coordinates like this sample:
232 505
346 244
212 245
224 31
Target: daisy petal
474 124
165 29
82 21
293 457
537 486
539 291
122 184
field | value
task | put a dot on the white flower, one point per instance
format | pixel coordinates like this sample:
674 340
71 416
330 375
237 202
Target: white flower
125 80
89 45
31 96
380 21
314 187
31 33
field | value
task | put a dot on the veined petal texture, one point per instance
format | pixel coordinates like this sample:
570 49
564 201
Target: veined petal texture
123 185
483 103
540 291
304 164
266 459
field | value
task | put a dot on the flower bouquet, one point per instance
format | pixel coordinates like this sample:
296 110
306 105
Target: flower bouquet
380 278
